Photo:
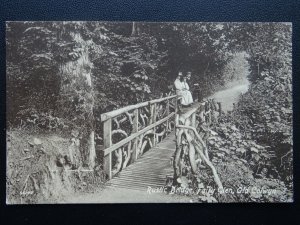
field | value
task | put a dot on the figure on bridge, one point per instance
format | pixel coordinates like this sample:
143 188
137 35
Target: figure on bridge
196 92
183 89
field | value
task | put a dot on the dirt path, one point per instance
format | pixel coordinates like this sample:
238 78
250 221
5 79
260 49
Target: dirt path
122 195
229 96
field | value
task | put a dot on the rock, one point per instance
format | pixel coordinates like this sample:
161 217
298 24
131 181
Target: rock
26 150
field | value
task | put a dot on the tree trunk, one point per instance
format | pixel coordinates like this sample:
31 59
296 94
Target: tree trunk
79 91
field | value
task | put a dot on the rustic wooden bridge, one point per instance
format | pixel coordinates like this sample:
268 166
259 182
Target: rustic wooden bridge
140 141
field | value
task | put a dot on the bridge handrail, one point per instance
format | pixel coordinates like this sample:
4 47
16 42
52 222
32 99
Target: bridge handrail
117 112
134 135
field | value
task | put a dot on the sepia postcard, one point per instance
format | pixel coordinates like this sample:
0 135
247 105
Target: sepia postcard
148 112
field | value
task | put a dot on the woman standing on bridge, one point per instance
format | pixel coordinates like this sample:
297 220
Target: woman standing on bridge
183 90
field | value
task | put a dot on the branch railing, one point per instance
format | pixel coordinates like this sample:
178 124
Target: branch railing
191 150
127 132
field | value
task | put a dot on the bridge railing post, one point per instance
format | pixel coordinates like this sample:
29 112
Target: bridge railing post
193 120
220 108
176 113
168 112
153 120
176 104
135 129
107 141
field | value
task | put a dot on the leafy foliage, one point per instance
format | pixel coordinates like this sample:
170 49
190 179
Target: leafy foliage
267 106
126 68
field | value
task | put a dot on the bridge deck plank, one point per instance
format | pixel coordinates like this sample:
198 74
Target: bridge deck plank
150 170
